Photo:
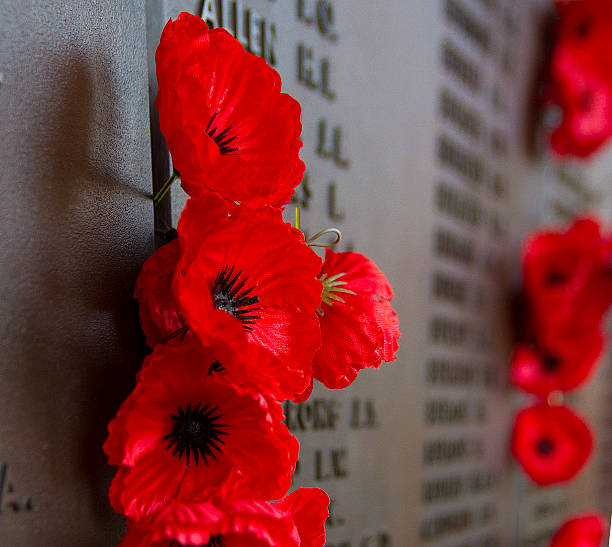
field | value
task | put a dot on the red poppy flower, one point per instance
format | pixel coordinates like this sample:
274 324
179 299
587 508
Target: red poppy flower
248 288
551 443
567 276
185 433
583 531
583 36
562 365
297 520
226 123
586 105
580 71
159 314
358 324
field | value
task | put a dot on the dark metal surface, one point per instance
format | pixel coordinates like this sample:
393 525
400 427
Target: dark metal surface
159 153
77 221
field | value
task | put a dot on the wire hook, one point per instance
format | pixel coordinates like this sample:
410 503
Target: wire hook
318 235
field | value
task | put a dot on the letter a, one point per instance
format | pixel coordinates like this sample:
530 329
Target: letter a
209 13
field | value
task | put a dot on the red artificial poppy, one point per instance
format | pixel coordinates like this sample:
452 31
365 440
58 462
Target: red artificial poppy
583 531
567 276
560 365
581 81
159 314
185 433
309 510
298 520
358 324
583 34
248 288
586 105
551 443
226 123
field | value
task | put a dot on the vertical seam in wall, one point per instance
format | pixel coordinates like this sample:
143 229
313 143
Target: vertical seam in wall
160 158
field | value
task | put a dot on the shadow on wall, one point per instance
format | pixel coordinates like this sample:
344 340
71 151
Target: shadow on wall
78 230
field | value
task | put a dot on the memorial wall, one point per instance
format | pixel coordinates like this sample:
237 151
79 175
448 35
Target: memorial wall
77 222
415 128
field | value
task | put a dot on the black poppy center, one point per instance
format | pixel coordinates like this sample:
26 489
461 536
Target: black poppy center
545 447
556 278
215 367
196 433
551 363
230 296
584 28
221 137
215 541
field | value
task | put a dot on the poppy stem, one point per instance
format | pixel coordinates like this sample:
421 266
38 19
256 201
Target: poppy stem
298 221
164 189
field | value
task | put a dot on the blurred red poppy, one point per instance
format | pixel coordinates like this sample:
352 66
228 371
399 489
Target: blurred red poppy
582 85
562 365
567 276
583 531
583 34
586 124
551 443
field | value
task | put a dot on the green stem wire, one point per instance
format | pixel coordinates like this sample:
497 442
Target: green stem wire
164 189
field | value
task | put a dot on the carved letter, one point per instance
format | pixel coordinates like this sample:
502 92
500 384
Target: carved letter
209 13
